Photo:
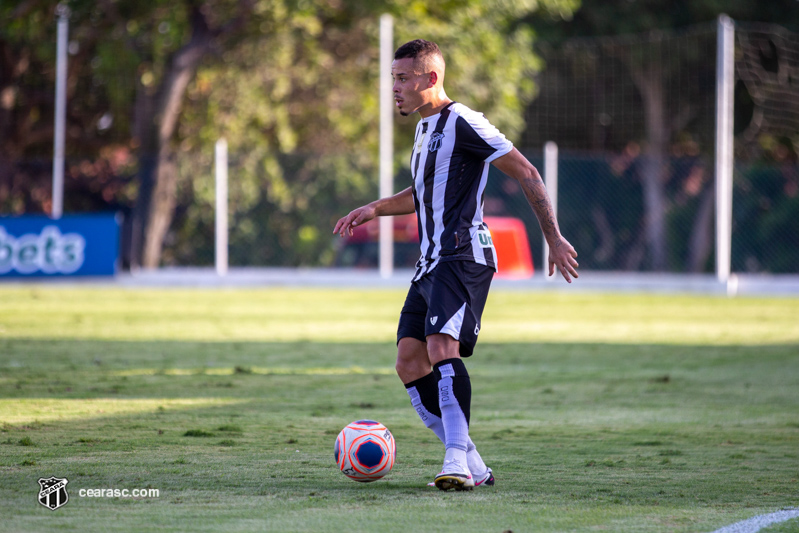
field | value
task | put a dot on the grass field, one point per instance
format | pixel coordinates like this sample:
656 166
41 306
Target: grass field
596 411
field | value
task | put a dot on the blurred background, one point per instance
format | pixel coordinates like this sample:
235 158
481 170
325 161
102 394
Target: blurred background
626 88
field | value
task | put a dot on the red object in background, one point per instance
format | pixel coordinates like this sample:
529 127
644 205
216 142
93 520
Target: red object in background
513 248
509 236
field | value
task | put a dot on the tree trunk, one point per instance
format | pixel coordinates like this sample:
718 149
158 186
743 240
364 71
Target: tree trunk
155 204
162 207
157 120
649 81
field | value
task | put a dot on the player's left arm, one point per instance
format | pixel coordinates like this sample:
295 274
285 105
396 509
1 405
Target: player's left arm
561 253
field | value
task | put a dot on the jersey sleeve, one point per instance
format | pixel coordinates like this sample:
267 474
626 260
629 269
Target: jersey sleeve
479 138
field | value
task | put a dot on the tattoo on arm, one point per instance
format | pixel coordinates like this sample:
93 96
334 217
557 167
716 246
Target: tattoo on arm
537 197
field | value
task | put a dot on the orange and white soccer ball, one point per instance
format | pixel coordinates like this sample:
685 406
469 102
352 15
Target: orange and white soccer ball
365 450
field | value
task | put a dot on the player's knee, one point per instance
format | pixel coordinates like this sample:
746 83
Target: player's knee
412 361
442 346
406 363
411 370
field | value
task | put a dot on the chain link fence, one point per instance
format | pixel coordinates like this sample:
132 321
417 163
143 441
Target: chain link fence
634 120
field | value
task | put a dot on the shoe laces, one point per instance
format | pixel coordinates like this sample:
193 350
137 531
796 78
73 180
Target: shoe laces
453 464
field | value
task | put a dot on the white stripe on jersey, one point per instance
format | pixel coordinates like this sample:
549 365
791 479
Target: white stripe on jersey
477 221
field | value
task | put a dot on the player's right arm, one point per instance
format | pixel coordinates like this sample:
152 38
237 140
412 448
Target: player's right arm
561 252
399 204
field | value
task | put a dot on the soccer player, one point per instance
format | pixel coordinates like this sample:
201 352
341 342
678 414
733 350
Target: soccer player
440 320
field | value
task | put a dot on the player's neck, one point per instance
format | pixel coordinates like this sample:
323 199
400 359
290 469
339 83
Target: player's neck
436 105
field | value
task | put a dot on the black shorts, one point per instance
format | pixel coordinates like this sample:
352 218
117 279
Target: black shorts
450 300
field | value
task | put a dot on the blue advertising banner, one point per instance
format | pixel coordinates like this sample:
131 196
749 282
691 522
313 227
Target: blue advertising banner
74 245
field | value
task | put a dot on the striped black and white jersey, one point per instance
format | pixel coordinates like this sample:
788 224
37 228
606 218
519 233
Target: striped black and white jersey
452 151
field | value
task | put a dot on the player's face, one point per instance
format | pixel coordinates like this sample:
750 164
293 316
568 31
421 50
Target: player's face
410 87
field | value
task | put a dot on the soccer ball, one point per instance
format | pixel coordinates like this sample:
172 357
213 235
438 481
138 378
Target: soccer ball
365 450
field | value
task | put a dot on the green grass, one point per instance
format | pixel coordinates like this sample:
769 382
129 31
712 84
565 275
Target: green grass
620 413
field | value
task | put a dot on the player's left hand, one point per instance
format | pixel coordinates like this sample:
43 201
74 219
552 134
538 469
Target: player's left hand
354 218
563 255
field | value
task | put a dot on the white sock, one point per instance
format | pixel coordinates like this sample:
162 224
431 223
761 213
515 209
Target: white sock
455 454
430 420
476 464
453 414
433 421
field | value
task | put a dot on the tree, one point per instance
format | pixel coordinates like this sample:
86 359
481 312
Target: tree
151 50
158 105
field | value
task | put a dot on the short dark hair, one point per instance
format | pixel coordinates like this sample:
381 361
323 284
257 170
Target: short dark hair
420 51
416 48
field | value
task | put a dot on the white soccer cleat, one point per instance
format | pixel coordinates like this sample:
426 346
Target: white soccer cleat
485 479
454 475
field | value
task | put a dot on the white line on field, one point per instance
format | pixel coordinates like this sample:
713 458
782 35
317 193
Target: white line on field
755 524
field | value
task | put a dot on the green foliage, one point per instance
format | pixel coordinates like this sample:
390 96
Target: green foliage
298 103
295 93
489 54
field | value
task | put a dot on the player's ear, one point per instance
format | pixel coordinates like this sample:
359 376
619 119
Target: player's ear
433 79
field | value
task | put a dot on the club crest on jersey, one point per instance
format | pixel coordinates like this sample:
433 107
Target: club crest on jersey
435 141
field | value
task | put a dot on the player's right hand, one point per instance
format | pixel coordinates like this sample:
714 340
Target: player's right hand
563 257
354 218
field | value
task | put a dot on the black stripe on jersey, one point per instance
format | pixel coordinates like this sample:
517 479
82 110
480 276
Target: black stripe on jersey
470 142
416 173
429 184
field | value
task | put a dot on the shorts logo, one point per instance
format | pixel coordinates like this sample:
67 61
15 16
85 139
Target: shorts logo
477 329
433 320
53 492
435 141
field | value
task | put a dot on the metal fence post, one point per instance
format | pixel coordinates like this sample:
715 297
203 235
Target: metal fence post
551 183
59 139
725 79
386 143
221 215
